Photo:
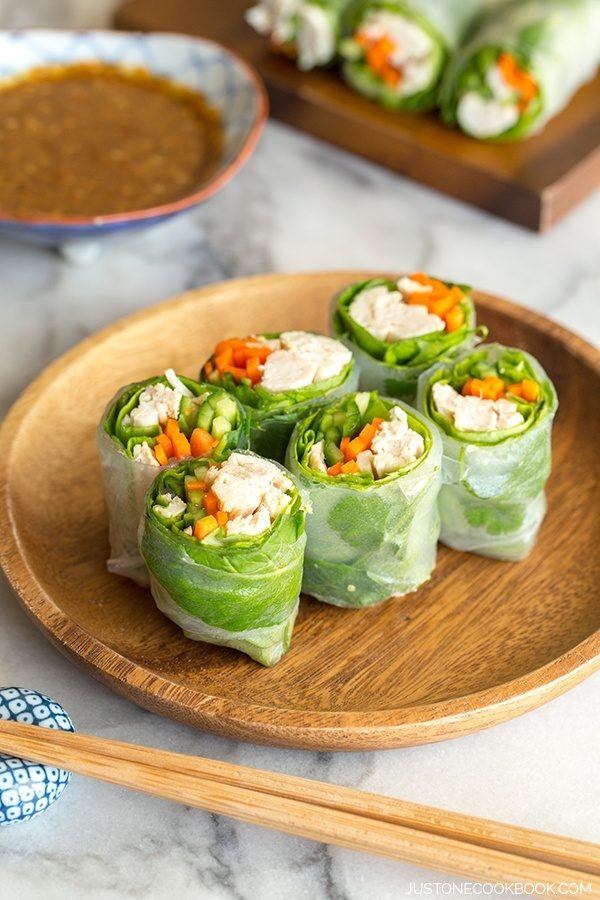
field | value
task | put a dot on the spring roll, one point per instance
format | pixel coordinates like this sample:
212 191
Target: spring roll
305 30
224 544
395 51
279 378
494 408
398 329
372 469
150 424
522 67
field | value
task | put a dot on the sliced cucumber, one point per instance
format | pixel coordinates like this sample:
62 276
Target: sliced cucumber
227 408
205 417
200 471
332 453
220 426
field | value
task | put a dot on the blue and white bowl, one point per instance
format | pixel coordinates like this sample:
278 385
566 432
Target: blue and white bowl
228 83
27 788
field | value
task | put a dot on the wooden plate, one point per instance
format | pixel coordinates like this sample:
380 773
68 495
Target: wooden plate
532 182
482 642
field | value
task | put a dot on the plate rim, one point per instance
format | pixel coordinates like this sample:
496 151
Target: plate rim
279 726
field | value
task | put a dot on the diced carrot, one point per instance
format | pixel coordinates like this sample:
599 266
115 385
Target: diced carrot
160 455
489 388
201 442
515 389
253 369
172 428
336 469
356 446
377 422
211 504
367 434
224 359
195 486
181 445
517 78
221 517
204 526
350 467
344 444
208 368
455 319
165 443
530 390
472 387
443 306
390 75
438 288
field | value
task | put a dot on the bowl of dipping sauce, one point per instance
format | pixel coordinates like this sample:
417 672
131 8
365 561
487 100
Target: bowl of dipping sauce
102 132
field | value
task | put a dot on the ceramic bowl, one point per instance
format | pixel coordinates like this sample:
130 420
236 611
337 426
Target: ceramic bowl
27 788
228 83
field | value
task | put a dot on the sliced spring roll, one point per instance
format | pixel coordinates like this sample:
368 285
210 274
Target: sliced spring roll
398 329
224 545
494 407
279 378
522 67
395 51
305 30
372 470
150 424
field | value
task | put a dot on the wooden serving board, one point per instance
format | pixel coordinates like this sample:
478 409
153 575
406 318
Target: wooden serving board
481 642
533 183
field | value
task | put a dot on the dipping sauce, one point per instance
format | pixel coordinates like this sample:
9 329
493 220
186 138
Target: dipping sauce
92 139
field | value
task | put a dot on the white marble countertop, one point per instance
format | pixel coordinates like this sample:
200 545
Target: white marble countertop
299 204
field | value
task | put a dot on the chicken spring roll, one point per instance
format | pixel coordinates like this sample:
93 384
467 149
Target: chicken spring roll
148 425
522 67
494 408
372 470
395 51
279 378
305 30
398 329
224 544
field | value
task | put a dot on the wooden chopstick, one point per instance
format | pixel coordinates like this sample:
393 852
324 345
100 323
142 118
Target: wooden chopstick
322 812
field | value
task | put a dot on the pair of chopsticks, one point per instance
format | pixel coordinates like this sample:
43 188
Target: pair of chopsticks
480 849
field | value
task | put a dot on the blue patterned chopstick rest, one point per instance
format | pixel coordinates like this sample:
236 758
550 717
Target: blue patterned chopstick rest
27 788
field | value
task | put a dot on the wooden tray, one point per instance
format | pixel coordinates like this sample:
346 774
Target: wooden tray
482 642
533 183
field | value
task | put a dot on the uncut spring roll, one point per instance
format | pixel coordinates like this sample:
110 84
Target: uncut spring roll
395 51
494 408
398 329
224 545
305 30
279 378
150 424
522 67
372 470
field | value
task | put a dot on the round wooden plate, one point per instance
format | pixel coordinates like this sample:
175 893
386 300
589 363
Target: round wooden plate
483 641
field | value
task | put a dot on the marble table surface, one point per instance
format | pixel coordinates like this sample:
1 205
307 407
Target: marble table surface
299 204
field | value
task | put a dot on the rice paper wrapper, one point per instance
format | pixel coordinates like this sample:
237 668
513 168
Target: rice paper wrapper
492 500
125 483
242 595
560 39
366 544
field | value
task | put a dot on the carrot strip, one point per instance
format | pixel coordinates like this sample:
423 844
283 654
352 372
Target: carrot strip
211 504
368 433
195 486
222 517
455 319
165 443
201 442
181 445
204 526
350 467
344 444
253 369
172 428
336 469
530 389
356 446
160 455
